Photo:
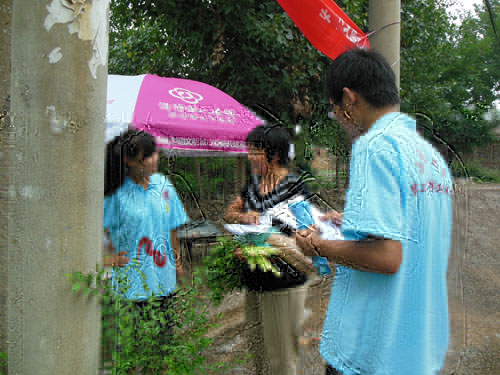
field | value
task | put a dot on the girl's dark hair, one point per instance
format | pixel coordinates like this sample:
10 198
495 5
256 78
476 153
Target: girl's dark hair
132 144
367 73
273 139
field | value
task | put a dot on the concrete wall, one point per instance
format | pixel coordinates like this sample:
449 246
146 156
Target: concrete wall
489 155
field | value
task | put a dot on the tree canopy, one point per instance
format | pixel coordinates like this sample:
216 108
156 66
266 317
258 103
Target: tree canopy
450 72
253 51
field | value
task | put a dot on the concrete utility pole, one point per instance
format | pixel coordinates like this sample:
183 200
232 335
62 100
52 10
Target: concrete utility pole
5 37
55 142
386 41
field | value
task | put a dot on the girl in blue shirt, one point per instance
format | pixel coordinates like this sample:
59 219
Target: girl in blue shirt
141 214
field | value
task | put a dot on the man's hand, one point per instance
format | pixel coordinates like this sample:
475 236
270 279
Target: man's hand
305 238
334 217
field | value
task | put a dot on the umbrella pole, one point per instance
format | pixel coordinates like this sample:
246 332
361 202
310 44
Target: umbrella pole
198 174
240 174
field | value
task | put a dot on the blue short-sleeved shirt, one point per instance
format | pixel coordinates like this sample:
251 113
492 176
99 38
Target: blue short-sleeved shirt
139 222
400 189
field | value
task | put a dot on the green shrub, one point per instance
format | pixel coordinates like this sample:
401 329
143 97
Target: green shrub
475 170
3 363
130 340
219 169
221 270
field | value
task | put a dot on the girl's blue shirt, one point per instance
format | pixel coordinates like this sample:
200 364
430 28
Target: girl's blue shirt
139 222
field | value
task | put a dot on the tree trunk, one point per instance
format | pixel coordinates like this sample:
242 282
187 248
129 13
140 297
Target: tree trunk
55 208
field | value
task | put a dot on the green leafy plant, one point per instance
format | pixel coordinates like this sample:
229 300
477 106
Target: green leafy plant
130 336
258 256
478 172
221 269
3 363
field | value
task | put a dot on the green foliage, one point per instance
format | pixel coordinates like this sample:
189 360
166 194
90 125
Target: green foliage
244 48
130 338
254 52
249 49
186 179
222 270
478 172
449 72
3 363
259 256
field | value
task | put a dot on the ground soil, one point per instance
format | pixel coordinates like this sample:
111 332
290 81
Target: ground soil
474 287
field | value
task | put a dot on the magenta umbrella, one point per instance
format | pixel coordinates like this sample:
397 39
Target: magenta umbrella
188 116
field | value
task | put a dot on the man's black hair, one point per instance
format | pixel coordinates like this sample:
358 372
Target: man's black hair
365 72
273 139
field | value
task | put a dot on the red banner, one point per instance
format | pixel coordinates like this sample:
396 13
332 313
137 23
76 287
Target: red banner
325 25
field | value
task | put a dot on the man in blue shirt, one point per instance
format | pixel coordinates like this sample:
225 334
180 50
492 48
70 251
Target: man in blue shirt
388 310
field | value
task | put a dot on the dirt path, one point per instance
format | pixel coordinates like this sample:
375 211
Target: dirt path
231 338
481 283
474 288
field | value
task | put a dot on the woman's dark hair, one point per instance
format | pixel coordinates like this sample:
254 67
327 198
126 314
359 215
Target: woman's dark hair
365 72
273 139
132 144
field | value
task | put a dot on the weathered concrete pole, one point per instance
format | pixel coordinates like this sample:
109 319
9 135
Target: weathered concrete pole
5 39
386 41
56 153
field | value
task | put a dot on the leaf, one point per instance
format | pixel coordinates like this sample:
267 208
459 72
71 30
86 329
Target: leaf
77 285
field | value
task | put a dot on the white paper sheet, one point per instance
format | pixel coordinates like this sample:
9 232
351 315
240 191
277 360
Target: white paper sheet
329 231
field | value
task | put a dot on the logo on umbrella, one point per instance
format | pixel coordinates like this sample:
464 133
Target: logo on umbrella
185 95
